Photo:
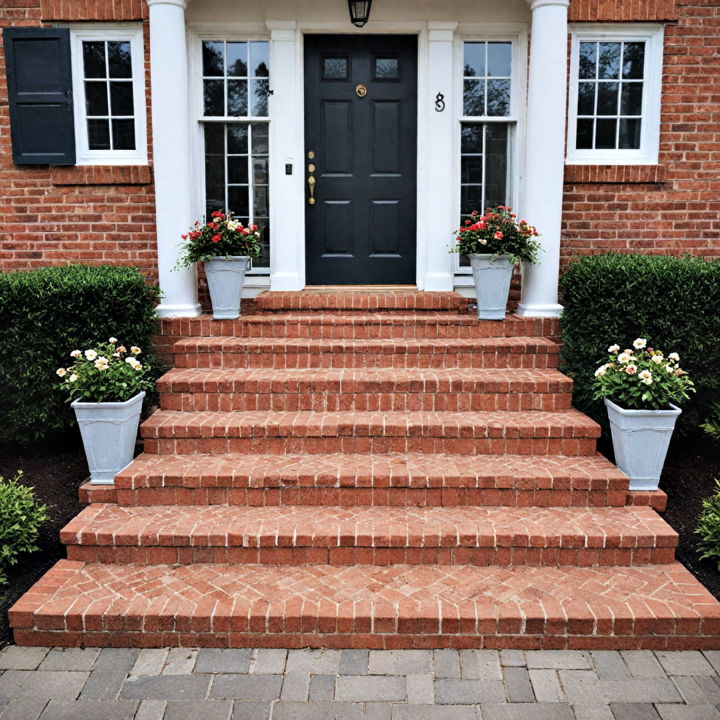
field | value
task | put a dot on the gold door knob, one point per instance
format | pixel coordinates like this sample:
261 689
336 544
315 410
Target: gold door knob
311 187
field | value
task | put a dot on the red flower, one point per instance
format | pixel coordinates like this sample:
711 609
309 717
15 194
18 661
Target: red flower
216 238
245 231
498 235
254 228
217 213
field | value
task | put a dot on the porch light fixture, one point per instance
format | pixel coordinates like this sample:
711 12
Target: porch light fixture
359 11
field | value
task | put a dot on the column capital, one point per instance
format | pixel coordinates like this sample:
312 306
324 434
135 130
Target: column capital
441 31
534 4
177 3
282 30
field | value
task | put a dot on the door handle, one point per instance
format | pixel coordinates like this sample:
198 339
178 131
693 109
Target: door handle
311 188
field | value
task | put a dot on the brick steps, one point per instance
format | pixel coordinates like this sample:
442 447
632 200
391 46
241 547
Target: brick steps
432 606
364 390
357 325
363 535
289 353
526 433
373 300
386 479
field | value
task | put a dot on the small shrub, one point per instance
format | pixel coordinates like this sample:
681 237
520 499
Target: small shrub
21 518
709 528
712 426
672 302
46 313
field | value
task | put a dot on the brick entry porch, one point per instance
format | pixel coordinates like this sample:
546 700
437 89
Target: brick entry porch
370 470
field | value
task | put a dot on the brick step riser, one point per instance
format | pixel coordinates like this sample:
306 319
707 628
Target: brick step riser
290 361
348 444
532 634
370 497
333 401
347 555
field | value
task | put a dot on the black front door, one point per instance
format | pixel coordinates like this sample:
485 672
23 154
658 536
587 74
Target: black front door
360 159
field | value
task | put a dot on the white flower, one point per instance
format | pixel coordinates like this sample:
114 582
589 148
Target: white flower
674 357
631 369
135 350
61 372
112 341
72 378
102 363
640 343
614 349
669 369
116 354
133 363
624 357
645 375
75 353
658 359
90 354
601 371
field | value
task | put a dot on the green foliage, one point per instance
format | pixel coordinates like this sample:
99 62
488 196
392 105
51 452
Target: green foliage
709 528
46 313
21 518
498 232
106 373
673 302
712 427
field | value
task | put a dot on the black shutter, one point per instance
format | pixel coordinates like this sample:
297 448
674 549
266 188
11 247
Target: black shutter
39 76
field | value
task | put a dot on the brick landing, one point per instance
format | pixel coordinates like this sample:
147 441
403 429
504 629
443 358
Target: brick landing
368 470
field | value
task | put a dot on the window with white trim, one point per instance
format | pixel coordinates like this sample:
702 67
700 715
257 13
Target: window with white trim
109 90
615 90
487 126
236 90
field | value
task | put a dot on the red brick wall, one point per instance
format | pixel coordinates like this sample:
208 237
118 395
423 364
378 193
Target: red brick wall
51 216
673 208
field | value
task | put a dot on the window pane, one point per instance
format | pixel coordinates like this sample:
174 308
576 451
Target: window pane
499 59
214 139
588 60
214 97
259 59
471 198
238 170
471 169
498 97
239 201
609 61
584 136
214 167
237 100
474 97
630 133
259 91
119 59
264 259
335 68
633 60
121 98
94 59
96 101
260 205
98 134
260 171
586 98
631 99
237 59
496 169
607 98
237 139
123 133
474 61
387 69
605 134
259 139
213 58
471 139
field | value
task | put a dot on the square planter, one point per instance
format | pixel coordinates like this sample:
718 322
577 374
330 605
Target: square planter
492 276
226 279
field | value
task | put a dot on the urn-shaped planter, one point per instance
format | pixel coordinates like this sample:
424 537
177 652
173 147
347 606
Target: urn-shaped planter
641 439
109 431
492 276
226 279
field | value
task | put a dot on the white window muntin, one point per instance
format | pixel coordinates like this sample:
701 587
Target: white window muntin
120 33
647 153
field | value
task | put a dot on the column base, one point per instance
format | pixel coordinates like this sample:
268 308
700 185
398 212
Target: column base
166 310
282 282
438 282
552 310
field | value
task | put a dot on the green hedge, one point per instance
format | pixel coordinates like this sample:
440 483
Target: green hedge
46 313
673 302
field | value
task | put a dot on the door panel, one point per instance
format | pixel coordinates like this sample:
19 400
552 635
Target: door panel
361 229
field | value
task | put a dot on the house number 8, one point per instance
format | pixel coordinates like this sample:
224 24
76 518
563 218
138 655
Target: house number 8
439 102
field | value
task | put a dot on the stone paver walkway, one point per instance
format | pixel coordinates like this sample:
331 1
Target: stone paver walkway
181 684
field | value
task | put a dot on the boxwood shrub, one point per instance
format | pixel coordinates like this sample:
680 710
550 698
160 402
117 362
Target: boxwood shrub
46 313
674 302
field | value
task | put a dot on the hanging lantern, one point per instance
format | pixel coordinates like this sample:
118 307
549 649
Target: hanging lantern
359 11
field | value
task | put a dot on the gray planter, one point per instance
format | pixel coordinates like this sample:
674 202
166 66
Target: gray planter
492 277
109 431
641 439
226 278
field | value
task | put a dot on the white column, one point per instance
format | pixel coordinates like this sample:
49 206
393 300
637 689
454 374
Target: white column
545 153
437 196
171 153
287 198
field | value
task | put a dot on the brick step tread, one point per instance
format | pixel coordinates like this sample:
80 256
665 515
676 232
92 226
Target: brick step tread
361 325
654 606
341 527
352 380
363 300
306 423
